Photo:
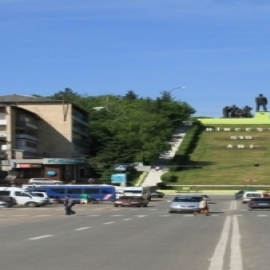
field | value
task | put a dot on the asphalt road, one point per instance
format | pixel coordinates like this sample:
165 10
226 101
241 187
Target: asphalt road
101 237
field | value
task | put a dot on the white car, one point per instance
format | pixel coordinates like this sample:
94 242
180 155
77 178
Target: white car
44 181
3 204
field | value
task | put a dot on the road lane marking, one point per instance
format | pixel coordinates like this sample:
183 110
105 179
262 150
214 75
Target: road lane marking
152 209
141 216
96 209
19 215
116 215
165 215
189 215
108 223
40 237
262 215
236 253
218 256
83 228
233 205
93 215
42 215
127 219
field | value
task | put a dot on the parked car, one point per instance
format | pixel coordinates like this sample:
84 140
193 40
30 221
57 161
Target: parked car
240 193
10 201
42 195
259 203
22 197
3 204
157 194
184 203
131 201
44 181
248 195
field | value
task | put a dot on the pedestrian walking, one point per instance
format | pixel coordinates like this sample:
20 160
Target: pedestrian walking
203 207
68 203
84 199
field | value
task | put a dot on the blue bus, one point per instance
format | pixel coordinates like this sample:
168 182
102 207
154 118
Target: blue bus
96 192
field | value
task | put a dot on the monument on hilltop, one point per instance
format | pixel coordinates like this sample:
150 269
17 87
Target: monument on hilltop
261 100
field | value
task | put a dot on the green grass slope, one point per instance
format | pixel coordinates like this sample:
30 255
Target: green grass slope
211 162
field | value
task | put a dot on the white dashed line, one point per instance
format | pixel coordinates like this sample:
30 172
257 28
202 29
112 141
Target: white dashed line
127 219
262 215
108 223
84 228
43 216
165 215
141 216
98 209
40 237
116 215
218 256
189 215
93 215
153 209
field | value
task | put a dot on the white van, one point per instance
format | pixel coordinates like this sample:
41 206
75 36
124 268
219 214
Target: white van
137 191
248 195
22 197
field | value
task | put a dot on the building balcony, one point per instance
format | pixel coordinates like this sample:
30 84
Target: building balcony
83 121
26 124
27 148
3 122
3 134
3 155
80 142
80 131
26 136
4 147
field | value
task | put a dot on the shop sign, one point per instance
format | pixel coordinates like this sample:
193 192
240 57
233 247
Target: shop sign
51 173
24 166
36 165
63 161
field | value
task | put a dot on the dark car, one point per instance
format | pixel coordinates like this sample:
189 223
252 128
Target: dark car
131 201
9 200
157 194
259 203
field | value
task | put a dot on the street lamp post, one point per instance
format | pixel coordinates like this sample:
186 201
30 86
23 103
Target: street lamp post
179 87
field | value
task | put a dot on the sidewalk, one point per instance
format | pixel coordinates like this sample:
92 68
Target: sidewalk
154 176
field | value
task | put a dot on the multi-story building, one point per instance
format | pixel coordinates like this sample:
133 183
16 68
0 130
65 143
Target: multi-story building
48 138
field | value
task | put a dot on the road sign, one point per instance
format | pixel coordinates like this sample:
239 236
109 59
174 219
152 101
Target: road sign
119 178
120 167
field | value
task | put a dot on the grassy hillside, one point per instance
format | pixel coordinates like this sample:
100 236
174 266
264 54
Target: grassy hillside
211 162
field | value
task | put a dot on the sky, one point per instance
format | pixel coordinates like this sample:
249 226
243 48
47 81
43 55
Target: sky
215 52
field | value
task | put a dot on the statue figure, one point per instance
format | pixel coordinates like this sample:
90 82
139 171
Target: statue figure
247 111
226 112
261 101
234 109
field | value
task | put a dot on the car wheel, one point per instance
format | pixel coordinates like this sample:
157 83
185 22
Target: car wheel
249 209
170 212
116 205
145 205
31 204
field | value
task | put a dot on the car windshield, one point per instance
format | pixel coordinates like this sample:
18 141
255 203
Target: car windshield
187 199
